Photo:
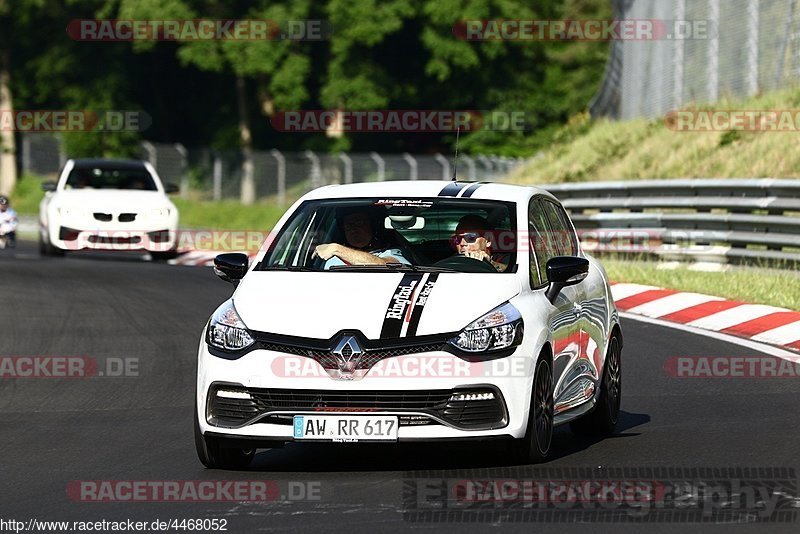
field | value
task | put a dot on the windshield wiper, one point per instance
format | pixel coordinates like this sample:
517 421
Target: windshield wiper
290 268
399 267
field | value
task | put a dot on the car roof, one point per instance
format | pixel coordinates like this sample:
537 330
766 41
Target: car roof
110 163
428 189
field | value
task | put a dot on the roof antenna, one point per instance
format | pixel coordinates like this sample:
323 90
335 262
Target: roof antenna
455 158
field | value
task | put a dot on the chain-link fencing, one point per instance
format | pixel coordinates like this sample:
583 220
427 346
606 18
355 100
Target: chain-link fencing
712 49
208 174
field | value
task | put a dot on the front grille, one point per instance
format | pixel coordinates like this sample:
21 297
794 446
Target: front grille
127 217
466 414
108 240
105 217
370 357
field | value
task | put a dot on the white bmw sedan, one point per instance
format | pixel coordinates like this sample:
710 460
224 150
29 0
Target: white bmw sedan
108 205
410 311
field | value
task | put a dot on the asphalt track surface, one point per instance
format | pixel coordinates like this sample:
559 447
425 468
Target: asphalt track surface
54 431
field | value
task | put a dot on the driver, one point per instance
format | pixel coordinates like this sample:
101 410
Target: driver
472 239
365 248
8 222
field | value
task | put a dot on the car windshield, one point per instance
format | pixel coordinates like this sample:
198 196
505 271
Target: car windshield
428 234
110 178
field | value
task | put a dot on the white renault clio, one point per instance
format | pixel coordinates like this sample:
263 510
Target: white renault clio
410 311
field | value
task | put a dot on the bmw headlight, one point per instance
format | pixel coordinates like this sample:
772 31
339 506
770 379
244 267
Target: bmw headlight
499 329
72 212
158 213
226 330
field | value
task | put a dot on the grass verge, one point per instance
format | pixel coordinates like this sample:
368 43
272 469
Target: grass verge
748 284
592 150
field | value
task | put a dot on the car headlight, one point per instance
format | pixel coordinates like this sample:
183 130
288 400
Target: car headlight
499 329
226 330
159 213
67 211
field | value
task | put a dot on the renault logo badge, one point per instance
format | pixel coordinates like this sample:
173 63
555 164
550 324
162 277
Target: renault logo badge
348 353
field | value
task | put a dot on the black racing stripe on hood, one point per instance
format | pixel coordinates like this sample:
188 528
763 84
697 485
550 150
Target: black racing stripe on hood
419 304
398 305
468 193
452 189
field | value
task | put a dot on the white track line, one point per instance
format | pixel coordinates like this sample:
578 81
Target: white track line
743 342
621 291
671 304
783 335
733 316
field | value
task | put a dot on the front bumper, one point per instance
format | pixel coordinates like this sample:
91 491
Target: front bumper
156 240
281 386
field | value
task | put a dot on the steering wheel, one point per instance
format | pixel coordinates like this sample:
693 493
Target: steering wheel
466 264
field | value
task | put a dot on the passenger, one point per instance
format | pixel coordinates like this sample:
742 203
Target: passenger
472 239
365 247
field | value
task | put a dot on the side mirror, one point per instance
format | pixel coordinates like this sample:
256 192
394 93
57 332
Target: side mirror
231 267
49 186
171 188
563 271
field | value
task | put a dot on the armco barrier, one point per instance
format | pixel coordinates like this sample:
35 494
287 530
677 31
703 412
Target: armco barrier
717 220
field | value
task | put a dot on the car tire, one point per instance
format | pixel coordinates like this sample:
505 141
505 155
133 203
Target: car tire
47 249
602 420
164 256
213 453
535 446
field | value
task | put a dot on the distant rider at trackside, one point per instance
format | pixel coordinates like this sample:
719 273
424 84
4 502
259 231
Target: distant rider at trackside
8 224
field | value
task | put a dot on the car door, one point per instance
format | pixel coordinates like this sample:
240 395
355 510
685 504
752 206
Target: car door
564 319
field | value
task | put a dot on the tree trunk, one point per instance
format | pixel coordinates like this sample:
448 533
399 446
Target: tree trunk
248 191
8 149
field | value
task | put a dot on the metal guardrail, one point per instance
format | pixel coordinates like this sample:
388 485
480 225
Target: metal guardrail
714 220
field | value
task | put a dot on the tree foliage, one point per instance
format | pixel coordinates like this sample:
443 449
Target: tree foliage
382 54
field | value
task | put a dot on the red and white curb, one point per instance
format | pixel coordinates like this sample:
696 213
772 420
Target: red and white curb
758 322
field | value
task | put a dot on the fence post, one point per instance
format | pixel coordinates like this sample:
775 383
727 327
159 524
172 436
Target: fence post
713 52
184 185
348 167
471 168
445 166
753 23
381 165
26 153
678 58
281 174
316 171
152 153
412 166
487 166
786 36
217 194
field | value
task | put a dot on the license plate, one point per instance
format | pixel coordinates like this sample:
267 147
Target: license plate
345 427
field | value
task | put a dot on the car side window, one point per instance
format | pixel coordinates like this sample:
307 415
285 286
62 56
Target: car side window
563 237
541 242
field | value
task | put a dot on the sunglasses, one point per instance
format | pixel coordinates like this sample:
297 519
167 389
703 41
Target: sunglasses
468 237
